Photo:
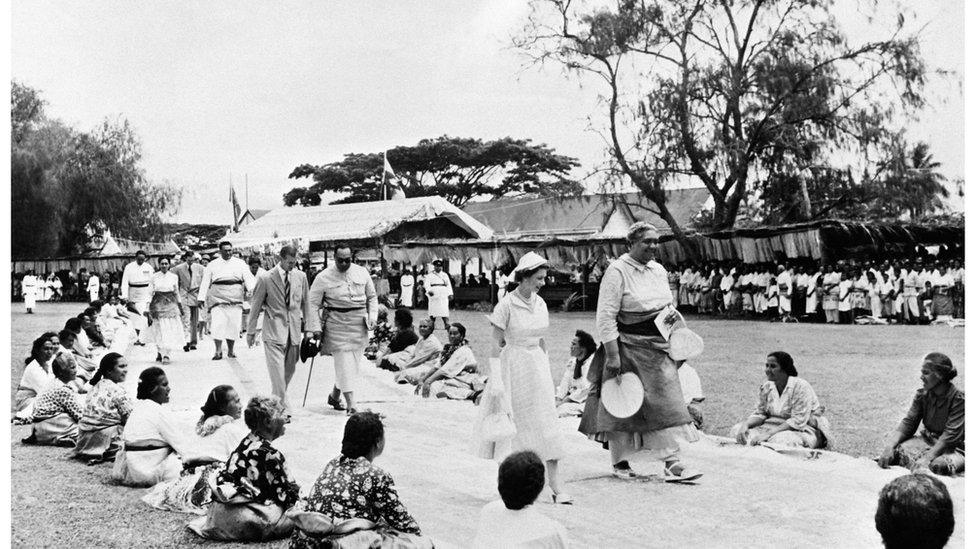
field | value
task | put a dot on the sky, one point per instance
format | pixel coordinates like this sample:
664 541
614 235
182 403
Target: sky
221 91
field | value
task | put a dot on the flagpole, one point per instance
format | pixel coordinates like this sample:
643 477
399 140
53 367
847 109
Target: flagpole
247 202
384 174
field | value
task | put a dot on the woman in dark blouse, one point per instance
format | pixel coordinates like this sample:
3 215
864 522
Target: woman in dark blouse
940 407
351 487
403 337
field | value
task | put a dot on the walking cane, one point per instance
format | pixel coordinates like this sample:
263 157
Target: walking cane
307 383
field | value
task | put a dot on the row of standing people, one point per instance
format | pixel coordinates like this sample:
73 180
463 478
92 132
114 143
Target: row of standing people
901 291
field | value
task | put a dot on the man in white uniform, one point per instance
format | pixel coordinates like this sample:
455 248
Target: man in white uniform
93 286
784 283
29 287
439 294
225 281
137 290
406 288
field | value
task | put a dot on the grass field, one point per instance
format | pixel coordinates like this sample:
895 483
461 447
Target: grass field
864 375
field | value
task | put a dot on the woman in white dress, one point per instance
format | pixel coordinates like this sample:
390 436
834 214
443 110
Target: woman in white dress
520 370
30 286
37 375
165 313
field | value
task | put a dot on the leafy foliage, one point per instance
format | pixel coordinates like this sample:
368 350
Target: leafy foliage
455 168
732 93
67 185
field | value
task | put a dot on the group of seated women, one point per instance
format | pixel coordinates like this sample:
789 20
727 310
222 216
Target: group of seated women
788 413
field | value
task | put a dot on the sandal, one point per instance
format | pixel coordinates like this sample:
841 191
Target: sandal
562 499
676 472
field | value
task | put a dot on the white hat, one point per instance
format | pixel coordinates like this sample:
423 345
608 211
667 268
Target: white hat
530 261
685 344
622 398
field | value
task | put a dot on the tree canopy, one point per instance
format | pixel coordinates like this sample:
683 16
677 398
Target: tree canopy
67 185
727 94
455 168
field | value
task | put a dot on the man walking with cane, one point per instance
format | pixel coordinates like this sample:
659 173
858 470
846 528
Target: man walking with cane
282 293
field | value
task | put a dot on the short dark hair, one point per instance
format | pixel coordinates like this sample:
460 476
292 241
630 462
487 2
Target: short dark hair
38 344
65 334
586 341
73 324
343 246
148 381
187 254
403 317
288 251
254 259
140 252
785 362
520 479
222 242
362 433
914 512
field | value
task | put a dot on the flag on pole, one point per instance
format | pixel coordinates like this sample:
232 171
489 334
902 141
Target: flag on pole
235 205
388 173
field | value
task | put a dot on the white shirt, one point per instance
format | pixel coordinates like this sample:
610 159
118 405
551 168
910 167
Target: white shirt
629 286
503 528
230 269
93 283
139 275
726 283
165 282
785 279
35 377
150 423
576 389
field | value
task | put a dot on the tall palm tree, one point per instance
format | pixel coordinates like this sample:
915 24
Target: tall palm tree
916 182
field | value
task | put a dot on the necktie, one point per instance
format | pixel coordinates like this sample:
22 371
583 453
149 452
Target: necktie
287 291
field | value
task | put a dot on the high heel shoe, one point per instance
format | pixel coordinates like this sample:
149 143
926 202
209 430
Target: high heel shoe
336 405
562 499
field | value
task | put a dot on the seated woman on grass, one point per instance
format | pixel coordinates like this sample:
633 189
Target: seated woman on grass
512 521
788 412
940 408
106 411
254 490
37 374
424 357
351 487
456 378
573 389
400 349
154 448
58 408
220 430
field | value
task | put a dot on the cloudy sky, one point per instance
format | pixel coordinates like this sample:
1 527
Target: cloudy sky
221 89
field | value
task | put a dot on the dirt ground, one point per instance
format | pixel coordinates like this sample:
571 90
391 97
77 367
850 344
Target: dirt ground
864 375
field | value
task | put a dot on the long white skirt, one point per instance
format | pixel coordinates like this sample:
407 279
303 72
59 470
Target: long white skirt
30 300
406 296
225 321
167 334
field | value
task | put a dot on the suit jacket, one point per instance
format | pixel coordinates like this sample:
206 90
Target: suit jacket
269 296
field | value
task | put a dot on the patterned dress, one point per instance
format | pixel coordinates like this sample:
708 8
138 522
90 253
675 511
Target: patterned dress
100 428
355 488
258 472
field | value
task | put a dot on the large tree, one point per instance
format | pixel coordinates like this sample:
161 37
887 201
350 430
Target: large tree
726 92
455 168
67 185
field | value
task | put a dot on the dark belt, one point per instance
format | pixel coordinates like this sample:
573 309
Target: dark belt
129 448
135 285
227 282
344 309
645 328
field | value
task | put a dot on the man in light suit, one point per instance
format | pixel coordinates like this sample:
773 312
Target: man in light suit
282 293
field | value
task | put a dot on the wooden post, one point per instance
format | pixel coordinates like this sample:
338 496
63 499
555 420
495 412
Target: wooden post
491 289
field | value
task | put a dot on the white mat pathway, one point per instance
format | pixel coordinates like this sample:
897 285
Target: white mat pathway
748 497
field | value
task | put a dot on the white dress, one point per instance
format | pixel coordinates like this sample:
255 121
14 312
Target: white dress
439 289
527 377
29 285
406 289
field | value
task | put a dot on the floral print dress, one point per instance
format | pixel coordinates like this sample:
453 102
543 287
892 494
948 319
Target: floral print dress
258 472
355 488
